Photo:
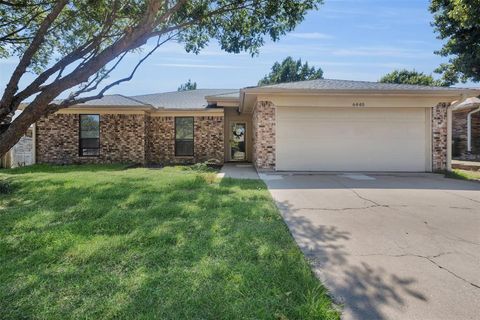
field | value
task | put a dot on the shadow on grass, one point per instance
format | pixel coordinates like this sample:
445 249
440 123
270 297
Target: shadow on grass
150 244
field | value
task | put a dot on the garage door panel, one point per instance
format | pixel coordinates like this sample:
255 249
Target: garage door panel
351 139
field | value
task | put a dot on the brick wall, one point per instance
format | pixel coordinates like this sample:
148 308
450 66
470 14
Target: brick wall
160 140
122 139
208 140
439 137
459 135
264 135
128 139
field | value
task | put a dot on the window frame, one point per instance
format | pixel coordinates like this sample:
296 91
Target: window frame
175 136
80 149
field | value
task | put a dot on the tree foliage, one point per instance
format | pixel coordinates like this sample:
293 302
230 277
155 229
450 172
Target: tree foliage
411 77
290 70
189 85
458 22
72 46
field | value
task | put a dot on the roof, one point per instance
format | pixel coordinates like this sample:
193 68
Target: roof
200 98
231 95
469 103
331 84
191 99
115 100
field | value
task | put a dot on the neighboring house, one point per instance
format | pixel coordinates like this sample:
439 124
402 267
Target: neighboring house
22 153
466 130
317 125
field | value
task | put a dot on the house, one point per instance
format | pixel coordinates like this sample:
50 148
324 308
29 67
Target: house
466 130
22 152
317 125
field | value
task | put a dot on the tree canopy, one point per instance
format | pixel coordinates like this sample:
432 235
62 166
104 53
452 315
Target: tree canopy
290 70
72 46
189 85
411 77
458 23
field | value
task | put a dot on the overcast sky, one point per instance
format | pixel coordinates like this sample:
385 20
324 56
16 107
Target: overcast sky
348 39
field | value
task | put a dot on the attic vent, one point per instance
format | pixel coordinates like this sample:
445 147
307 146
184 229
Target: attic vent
358 104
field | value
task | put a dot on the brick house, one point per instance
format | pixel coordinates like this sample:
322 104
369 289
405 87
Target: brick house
317 125
466 130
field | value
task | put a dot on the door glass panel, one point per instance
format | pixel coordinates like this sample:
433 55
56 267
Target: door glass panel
237 142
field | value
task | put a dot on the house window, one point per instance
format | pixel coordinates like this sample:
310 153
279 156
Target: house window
184 136
89 135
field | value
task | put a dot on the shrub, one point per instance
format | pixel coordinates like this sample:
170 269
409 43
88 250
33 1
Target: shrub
5 187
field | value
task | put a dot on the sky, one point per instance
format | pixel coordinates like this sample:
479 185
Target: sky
348 39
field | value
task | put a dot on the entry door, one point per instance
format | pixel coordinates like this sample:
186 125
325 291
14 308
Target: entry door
238 148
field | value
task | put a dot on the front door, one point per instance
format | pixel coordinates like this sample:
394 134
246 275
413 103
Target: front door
238 148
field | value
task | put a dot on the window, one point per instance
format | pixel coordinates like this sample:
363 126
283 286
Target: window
89 135
184 136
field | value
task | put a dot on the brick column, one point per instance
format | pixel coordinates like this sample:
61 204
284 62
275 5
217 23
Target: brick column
263 121
440 136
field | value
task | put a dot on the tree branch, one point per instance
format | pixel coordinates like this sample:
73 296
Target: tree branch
70 101
26 59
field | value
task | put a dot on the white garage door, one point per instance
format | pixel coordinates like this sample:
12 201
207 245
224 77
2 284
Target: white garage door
351 139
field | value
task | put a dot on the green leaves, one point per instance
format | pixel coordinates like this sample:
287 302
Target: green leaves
458 22
189 85
411 77
289 71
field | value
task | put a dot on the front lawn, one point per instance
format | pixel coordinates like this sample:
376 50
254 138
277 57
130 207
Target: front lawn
102 242
464 174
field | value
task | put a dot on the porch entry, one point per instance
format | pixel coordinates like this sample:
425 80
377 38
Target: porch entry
237 142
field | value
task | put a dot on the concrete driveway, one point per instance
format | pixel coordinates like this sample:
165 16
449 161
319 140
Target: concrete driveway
388 246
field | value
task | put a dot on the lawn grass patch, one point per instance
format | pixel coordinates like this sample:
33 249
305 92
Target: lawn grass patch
103 242
463 174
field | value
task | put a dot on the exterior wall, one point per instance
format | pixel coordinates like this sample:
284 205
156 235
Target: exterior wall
128 138
459 135
208 140
264 136
232 115
122 139
22 152
263 122
440 137
160 140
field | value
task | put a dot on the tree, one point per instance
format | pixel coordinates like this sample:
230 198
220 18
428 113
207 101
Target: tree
458 22
290 70
72 46
411 77
189 85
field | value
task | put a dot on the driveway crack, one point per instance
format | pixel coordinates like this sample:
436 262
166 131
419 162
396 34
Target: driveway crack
375 204
430 259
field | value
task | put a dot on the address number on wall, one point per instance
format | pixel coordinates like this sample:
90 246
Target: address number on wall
358 104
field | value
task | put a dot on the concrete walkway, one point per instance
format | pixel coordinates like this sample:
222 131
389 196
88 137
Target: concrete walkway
238 171
388 246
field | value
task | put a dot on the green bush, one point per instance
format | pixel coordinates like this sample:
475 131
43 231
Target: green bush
5 187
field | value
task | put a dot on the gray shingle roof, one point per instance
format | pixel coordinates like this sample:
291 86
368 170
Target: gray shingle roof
330 84
191 99
115 100
230 95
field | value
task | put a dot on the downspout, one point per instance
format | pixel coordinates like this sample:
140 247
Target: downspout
34 143
469 129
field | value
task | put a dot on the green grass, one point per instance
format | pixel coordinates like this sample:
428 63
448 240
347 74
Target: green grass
101 242
464 174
